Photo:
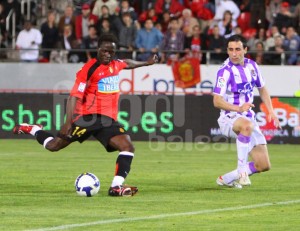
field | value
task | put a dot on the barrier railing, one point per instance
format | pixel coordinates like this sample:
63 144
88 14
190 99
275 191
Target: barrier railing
205 53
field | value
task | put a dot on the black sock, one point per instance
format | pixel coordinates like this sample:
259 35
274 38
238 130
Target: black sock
42 135
123 164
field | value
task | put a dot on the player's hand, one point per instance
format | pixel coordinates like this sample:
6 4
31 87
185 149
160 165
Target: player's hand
66 130
273 117
246 107
153 59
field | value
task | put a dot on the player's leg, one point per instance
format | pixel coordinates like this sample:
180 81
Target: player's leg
243 127
231 126
123 144
114 138
260 156
45 138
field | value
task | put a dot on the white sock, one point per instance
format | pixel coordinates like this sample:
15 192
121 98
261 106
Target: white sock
242 144
34 129
118 180
47 140
234 175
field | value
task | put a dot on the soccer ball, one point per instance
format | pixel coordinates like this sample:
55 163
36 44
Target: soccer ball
87 184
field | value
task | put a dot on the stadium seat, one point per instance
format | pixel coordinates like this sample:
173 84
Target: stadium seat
249 33
244 21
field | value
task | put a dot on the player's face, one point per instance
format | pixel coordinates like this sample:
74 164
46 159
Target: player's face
236 52
106 52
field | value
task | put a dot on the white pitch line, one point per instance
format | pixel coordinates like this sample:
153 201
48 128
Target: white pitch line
162 216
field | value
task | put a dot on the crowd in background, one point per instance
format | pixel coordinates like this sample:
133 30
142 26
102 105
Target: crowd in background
173 28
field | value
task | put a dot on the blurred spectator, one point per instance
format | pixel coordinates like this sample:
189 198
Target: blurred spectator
8 5
79 3
166 17
270 41
272 9
144 5
151 14
258 53
291 43
227 25
28 41
105 27
68 42
284 18
111 4
297 18
243 5
173 6
90 43
50 34
259 37
148 40
126 8
67 19
187 22
114 22
216 43
224 5
127 36
173 42
258 13
59 6
274 58
83 21
2 26
238 30
194 44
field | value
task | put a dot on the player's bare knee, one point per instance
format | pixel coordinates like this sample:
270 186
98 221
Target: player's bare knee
127 147
247 128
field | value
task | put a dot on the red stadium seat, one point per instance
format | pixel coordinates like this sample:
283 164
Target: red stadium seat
243 21
249 33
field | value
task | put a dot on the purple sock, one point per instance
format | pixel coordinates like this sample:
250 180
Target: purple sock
243 139
252 168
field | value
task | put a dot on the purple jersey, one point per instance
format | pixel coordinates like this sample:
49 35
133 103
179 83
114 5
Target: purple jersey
235 83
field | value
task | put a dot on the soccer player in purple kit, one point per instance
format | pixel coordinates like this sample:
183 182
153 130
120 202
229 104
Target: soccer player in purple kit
233 94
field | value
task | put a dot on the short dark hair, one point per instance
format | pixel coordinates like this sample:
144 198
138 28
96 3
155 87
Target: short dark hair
237 38
107 37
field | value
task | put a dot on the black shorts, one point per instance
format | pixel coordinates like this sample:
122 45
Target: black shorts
101 127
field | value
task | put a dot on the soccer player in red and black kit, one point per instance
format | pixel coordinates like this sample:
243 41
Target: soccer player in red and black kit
92 110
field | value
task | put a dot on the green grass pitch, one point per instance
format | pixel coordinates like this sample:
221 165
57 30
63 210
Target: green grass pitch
177 189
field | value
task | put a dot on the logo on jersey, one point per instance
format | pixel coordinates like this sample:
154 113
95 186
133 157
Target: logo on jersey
81 87
221 82
109 84
253 73
244 88
111 70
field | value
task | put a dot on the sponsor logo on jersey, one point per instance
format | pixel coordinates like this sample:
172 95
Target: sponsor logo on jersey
245 88
109 84
111 70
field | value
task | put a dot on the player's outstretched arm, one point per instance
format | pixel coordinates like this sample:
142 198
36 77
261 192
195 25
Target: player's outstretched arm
134 64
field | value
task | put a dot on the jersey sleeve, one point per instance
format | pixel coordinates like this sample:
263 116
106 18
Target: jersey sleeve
80 83
121 64
221 82
259 82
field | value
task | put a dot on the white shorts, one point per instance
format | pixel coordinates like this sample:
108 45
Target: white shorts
226 124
